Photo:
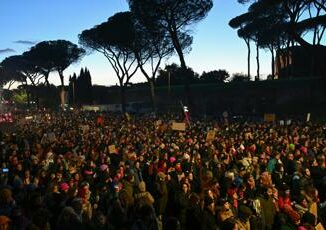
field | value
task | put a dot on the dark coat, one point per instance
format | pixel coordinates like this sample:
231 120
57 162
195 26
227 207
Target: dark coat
208 221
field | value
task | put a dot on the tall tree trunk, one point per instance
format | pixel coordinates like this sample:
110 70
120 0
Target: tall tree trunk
178 48
62 93
258 64
27 94
273 63
248 56
288 53
123 97
312 62
46 76
152 88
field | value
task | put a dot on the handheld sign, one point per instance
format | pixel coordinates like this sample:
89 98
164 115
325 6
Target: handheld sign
210 135
158 123
181 126
269 117
308 117
84 128
112 149
319 226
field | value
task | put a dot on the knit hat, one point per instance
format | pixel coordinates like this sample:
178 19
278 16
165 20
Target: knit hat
161 175
172 160
244 212
103 167
64 186
208 201
309 218
88 172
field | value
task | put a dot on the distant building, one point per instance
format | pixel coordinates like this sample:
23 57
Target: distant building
301 62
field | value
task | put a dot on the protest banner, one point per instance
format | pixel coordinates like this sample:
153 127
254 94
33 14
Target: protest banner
179 126
269 117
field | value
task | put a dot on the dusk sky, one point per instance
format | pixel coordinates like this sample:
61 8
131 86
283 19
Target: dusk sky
216 45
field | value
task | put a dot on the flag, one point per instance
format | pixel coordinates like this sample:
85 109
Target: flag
187 114
128 116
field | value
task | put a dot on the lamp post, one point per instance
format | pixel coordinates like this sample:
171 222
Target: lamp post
73 92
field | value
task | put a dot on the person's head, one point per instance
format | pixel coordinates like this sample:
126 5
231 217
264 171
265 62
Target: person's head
320 160
279 168
137 165
185 187
302 201
225 205
58 176
251 182
4 223
308 218
244 212
27 173
19 167
277 155
41 218
290 156
307 172
5 196
99 218
190 176
209 203
194 199
172 223
229 224
55 188
265 179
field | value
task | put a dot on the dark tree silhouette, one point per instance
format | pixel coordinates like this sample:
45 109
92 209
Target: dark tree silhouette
115 40
10 77
301 16
20 64
174 17
41 56
58 55
274 24
239 23
239 77
175 75
83 87
215 76
151 46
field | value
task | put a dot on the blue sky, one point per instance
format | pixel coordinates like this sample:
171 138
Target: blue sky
215 46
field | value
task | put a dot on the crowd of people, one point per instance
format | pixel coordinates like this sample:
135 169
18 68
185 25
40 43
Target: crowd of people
81 170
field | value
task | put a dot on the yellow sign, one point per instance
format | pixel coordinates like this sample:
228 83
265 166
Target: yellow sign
128 116
112 149
181 126
210 135
319 227
158 123
269 117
